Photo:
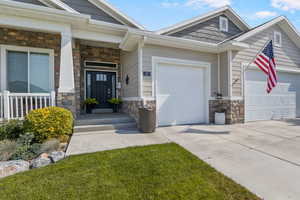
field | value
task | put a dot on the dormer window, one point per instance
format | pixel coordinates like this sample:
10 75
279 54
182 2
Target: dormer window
223 24
277 39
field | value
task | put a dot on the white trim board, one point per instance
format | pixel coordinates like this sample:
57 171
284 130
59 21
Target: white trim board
197 64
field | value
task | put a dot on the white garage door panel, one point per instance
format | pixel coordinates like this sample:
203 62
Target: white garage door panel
180 95
283 102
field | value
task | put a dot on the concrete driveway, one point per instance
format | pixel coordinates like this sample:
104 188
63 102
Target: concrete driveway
262 156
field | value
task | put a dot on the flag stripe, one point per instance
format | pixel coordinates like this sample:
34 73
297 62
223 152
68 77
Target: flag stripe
266 62
261 67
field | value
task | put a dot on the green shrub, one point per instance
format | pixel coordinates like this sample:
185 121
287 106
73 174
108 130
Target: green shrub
24 149
11 130
115 101
48 123
90 101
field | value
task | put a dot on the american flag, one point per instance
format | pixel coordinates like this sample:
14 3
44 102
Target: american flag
266 62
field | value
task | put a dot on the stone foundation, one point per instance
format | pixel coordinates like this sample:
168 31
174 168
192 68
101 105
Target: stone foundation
67 101
132 108
234 110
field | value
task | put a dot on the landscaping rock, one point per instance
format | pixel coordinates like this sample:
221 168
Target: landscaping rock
12 167
57 155
63 146
41 161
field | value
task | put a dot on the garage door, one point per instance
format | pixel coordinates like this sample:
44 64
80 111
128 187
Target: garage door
180 95
282 103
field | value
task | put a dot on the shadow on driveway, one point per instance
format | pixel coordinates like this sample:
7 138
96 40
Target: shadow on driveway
199 131
293 122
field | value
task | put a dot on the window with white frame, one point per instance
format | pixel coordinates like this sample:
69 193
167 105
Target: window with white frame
277 39
27 70
223 24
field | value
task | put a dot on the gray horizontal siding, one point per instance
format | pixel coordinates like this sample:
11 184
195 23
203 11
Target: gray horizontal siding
129 64
287 56
152 50
36 2
208 31
85 7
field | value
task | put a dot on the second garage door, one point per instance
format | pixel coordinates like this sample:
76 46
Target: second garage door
181 97
282 103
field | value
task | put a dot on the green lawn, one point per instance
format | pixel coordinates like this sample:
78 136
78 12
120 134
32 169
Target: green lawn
158 172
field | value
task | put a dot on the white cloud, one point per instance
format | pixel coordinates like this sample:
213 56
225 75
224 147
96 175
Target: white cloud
210 3
169 4
286 5
265 14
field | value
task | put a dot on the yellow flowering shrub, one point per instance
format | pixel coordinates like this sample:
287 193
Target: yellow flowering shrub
51 122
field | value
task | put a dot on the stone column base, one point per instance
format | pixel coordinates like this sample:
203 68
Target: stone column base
234 110
67 101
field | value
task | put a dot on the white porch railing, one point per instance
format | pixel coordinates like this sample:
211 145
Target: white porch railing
18 105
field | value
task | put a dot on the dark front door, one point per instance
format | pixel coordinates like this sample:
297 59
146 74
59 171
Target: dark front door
102 86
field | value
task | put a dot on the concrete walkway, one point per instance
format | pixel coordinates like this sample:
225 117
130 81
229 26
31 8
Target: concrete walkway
90 142
262 156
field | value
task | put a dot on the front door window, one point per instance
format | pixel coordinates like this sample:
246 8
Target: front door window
101 86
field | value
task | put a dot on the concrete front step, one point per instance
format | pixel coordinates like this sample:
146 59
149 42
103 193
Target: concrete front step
103 121
105 127
102 111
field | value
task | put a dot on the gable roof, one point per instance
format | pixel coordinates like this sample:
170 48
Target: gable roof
226 10
282 21
101 7
113 11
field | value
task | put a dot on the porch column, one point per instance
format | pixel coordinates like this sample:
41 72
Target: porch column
66 90
66 78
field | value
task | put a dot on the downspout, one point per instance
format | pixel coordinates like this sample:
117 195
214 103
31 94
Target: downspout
229 54
141 44
219 74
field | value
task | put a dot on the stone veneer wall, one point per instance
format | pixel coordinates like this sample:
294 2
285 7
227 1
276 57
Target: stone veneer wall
132 108
82 53
23 38
235 111
77 75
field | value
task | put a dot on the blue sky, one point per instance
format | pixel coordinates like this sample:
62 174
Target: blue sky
156 14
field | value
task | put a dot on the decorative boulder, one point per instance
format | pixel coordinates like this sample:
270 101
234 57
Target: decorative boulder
12 167
42 161
57 156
